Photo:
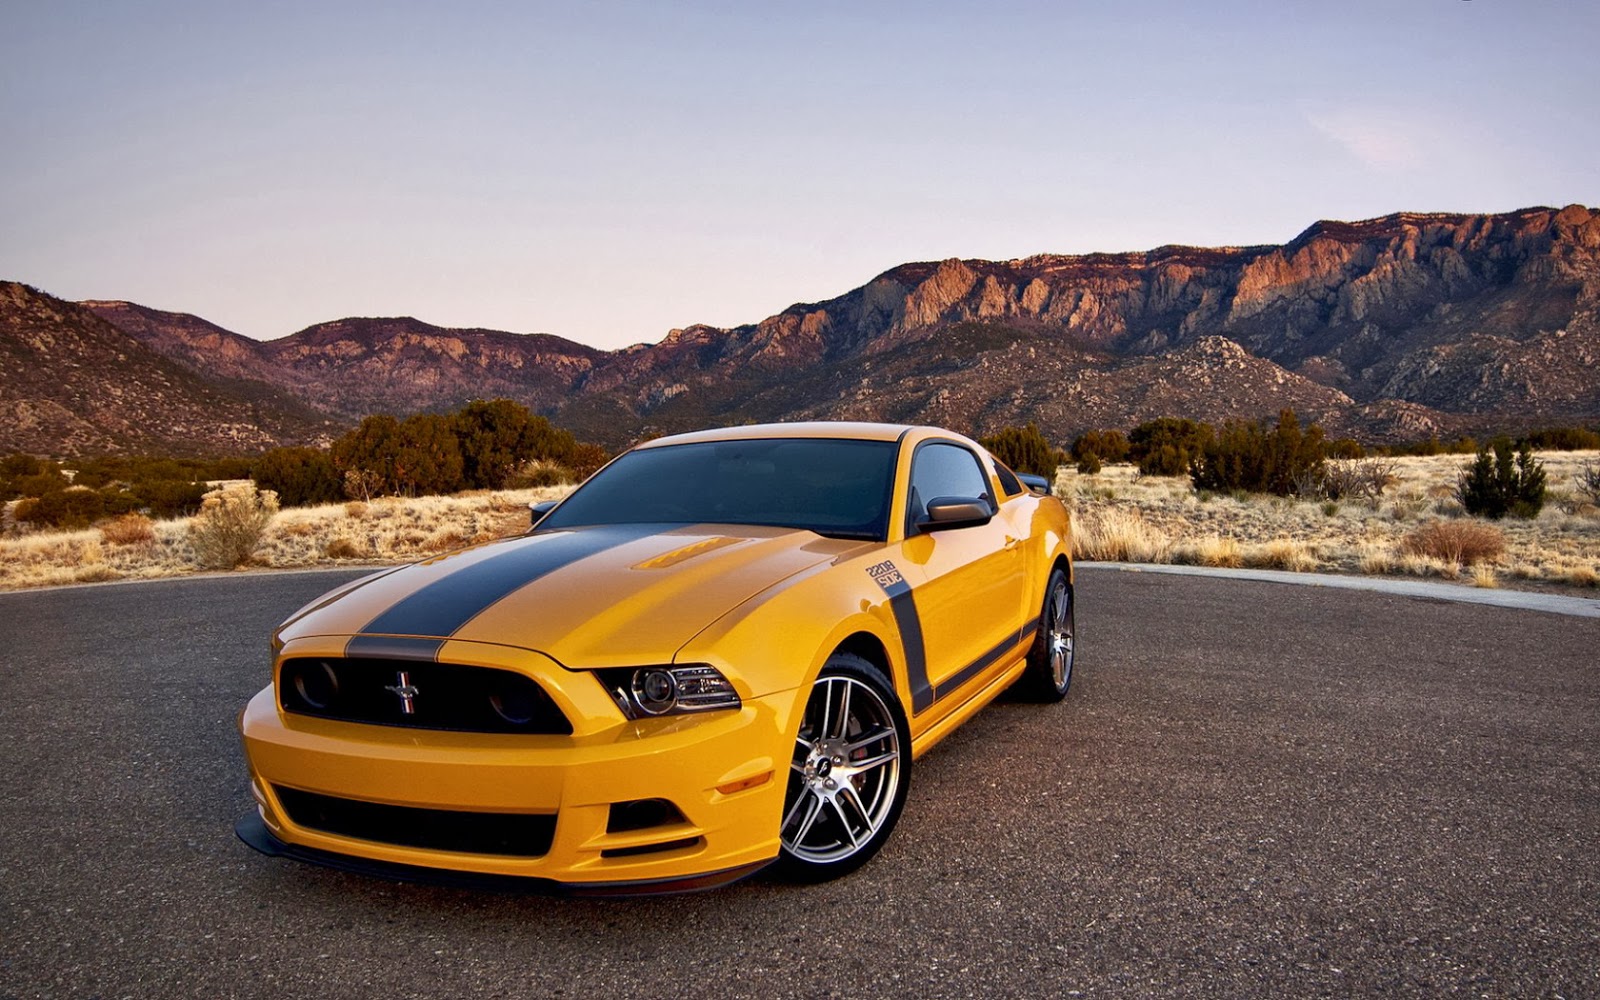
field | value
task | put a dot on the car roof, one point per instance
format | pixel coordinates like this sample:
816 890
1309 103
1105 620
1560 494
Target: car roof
836 429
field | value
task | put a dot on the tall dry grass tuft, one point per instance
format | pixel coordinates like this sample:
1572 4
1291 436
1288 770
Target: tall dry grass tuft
1282 553
1464 543
1211 550
1118 535
129 529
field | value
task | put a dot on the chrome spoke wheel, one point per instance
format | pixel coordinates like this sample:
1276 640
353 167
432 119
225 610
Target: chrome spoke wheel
1055 644
1058 633
846 770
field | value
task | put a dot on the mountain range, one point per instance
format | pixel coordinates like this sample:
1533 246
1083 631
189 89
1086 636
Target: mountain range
1387 329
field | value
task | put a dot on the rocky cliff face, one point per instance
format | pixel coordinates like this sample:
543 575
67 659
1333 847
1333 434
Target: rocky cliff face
1470 320
1390 328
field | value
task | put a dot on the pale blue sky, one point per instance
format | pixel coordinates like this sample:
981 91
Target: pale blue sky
606 172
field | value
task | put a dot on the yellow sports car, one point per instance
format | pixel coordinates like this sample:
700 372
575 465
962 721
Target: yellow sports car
722 651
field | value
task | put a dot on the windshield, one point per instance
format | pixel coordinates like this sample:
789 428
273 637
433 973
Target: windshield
834 487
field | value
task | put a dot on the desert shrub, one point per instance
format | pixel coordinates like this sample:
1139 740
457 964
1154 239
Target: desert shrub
497 436
1261 458
26 476
128 529
586 459
1346 448
300 476
428 461
1025 449
1167 446
1362 479
1433 446
1461 543
1588 481
1497 484
168 497
1563 439
230 524
1107 446
70 508
361 485
1089 463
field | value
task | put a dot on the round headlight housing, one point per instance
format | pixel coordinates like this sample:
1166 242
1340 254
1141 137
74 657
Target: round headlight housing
655 690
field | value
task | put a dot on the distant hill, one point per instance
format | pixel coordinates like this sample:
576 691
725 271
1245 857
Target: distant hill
72 383
1390 328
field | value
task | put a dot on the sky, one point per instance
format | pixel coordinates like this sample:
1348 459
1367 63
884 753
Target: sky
610 171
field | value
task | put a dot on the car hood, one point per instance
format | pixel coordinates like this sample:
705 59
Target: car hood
619 595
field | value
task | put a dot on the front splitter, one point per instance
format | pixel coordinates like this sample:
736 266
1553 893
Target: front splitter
253 831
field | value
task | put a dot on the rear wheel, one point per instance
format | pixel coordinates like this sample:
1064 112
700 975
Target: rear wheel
1049 671
849 775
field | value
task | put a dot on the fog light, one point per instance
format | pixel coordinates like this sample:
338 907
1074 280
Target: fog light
315 683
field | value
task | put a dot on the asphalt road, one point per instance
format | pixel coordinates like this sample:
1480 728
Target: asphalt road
1254 789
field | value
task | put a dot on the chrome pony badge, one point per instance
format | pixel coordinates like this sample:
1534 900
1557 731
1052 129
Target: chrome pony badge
407 691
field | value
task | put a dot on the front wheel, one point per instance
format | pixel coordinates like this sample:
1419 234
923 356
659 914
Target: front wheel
1049 671
849 775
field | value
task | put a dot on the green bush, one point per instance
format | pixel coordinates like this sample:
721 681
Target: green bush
1262 458
300 476
169 497
1024 449
67 509
1498 483
1167 446
1563 439
1107 446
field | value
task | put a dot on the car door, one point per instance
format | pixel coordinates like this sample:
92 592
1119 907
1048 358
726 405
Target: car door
967 579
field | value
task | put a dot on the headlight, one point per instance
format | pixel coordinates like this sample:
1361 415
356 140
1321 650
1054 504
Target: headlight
643 692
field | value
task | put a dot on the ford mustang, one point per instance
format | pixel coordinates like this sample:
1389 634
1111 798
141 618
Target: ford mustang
722 651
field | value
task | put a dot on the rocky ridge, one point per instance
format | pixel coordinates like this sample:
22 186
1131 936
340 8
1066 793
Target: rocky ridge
1389 328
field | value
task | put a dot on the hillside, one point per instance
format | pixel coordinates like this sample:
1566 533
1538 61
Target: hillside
1389 328
71 383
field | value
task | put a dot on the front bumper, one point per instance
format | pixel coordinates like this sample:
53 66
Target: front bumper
721 835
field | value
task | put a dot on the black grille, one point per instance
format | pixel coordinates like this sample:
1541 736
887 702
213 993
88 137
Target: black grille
438 695
516 834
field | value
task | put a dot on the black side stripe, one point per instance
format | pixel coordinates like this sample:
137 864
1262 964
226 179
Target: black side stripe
910 626
442 607
1031 627
948 686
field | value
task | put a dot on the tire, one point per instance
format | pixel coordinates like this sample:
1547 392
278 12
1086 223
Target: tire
849 775
1049 671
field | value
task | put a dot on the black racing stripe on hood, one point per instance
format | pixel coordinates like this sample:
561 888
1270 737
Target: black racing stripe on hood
445 605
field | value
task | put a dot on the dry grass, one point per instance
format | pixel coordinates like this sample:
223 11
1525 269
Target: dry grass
381 532
1118 515
1466 542
1561 546
129 529
1118 535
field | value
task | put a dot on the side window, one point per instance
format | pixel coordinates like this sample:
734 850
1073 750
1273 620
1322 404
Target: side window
1008 479
945 470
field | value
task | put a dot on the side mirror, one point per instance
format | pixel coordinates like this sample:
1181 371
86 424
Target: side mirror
955 512
537 511
1037 484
